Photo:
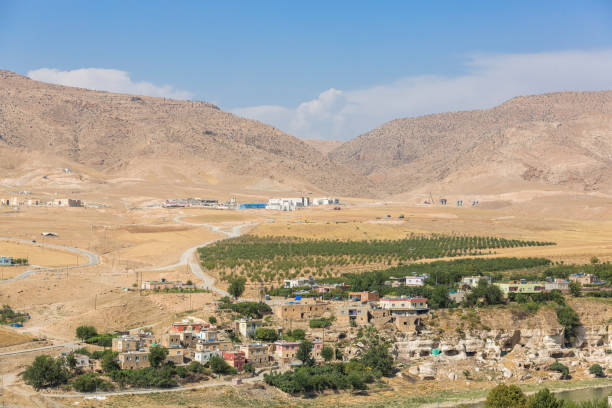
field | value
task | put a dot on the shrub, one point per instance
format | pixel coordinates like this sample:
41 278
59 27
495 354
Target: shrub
327 353
597 370
377 357
212 320
265 334
196 367
304 353
90 383
557 366
505 396
157 355
46 371
254 310
86 332
320 323
220 366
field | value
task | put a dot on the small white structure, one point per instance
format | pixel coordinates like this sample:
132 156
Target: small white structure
472 281
415 280
208 335
204 356
299 282
288 204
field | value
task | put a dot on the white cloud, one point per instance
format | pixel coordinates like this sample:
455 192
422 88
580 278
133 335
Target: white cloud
489 81
111 80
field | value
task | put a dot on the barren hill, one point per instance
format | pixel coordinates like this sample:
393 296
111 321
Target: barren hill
559 141
132 135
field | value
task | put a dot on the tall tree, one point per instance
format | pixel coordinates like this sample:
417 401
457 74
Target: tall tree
304 353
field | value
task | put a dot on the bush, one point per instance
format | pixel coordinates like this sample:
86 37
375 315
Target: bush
196 367
320 323
108 363
212 320
90 383
86 332
377 357
327 353
146 377
157 355
336 376
568 318
220 366
294 335
505 396
265 334
46 371
557 366
255 310
597 370
304 353
544 399
249 368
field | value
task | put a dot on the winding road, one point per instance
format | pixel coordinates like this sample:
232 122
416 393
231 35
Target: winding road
93 258
187 257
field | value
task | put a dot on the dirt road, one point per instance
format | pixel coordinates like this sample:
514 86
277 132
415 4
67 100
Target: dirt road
93 258
187 257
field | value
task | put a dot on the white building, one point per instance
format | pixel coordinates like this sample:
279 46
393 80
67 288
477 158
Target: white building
203 357
299 282
472 281
404 305
415 280
288 204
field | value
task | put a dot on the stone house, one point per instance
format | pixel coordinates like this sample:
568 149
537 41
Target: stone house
256 354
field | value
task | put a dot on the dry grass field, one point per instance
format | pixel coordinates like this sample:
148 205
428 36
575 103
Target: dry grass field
10 337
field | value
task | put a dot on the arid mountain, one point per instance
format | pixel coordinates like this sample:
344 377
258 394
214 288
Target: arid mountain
559 141
324 146
131 136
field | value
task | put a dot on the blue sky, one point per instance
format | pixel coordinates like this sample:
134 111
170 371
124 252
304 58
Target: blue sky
282 62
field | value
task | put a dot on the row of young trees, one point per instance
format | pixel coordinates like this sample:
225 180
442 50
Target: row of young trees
511 396
275 258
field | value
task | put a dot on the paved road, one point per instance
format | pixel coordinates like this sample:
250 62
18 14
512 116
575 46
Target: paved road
10 353
93 258
187 257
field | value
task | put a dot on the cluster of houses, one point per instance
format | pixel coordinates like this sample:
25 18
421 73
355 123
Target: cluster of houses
278 204
290 203
195 340
164 284
22 202
190 202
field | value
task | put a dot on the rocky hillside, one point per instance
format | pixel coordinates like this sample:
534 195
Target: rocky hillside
552 141
114 133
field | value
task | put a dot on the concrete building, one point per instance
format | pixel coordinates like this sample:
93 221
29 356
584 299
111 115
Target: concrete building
189 325
584 278
303 311
472 281
171 339
175 354
132 342
219 345
208 335
247 327
256 354
288 204
404 305
557 284
203 357
6 261
351 313
235 359
364 296
285 351
299 282
415 281
133 360
520 287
